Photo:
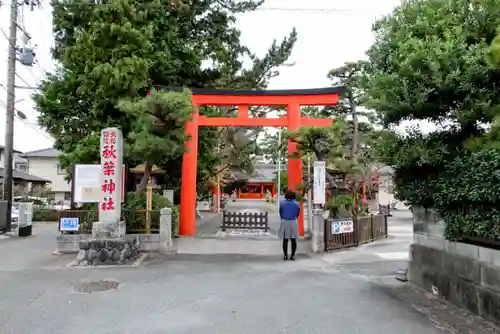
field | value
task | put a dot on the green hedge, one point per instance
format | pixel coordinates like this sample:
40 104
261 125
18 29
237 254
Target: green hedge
135 203
468 195
464 190
135 219
45 215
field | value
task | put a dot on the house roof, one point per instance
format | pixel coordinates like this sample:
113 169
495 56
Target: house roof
265 172
45 153
24 176
2 148
386 171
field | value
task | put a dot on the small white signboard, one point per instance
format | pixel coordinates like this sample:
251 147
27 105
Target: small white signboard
203 205
342 226
69 224
319 194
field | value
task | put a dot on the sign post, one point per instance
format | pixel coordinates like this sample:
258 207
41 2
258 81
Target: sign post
319 182
319 199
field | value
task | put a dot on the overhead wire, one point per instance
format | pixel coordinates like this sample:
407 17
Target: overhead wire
263 8
28 123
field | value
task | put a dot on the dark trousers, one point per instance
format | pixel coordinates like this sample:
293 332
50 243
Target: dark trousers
285 246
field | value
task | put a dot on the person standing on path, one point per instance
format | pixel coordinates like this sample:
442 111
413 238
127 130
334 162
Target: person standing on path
289 229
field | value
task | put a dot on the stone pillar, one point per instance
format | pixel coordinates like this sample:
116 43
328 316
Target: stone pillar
166 244
108 244
318 231
109 224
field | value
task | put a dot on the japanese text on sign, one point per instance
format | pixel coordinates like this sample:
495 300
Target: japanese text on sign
108 155
319 190
69 224
342 226
111 178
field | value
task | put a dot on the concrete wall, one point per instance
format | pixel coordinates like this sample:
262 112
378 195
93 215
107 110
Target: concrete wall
162 242
466 275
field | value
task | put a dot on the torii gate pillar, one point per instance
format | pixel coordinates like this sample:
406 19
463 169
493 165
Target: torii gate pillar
294 159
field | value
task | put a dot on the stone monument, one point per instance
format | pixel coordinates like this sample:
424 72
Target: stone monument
109 244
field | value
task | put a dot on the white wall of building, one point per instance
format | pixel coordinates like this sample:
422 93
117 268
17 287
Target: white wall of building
48 168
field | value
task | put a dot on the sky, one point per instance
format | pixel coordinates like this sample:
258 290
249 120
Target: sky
330 32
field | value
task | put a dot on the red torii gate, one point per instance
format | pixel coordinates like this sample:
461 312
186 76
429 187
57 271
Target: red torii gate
242 99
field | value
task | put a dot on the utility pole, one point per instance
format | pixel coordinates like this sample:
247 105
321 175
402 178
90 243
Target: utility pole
9 118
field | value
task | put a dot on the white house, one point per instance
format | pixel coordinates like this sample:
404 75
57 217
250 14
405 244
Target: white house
19 163
45 164
20 170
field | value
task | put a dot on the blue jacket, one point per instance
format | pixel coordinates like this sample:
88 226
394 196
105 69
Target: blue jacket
289 210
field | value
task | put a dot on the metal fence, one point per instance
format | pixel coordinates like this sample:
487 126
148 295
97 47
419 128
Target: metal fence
138 221
142 221
352 232
85 218
245 220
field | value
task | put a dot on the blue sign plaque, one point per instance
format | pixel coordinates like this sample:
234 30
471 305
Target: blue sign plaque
336 228
69 224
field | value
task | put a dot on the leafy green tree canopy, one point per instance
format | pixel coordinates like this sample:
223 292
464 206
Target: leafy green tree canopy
428 63
120 49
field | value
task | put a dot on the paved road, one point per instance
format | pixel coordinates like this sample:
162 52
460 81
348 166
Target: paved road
213 294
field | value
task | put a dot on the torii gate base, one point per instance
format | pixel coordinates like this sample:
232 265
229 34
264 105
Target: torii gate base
291 99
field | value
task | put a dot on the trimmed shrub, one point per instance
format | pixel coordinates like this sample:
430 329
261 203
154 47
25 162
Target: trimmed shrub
137 203
45 215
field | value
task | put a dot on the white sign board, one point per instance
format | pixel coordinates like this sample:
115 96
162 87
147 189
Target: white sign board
342 226
203 206
111 175
319 191
87 183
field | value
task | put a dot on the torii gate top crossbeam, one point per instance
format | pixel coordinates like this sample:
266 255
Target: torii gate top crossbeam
234 97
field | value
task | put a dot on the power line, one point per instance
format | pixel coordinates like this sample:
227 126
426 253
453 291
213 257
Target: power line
283 9
22 79
27 122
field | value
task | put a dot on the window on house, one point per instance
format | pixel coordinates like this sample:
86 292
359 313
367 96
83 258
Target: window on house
60 170
21 167
67 196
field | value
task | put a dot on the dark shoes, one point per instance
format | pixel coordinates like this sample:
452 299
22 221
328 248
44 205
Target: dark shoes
285 258
292 258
